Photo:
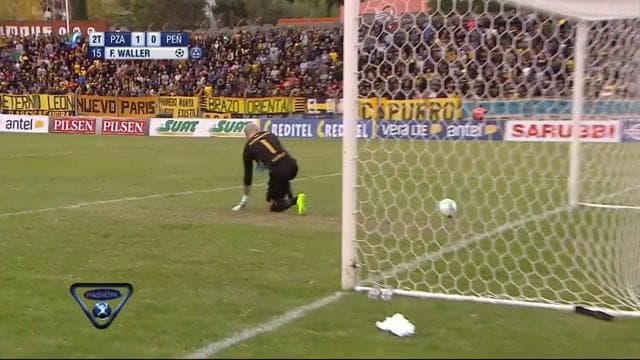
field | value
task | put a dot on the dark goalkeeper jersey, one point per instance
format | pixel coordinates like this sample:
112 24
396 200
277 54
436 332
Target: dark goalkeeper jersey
265 148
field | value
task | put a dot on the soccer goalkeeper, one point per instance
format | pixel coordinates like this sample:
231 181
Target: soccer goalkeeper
265 148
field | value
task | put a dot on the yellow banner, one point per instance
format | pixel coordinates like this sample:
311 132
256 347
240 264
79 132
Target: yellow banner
368 109
254 106
179 106
96 105
117 106
213 115
137 106
37 104
423 109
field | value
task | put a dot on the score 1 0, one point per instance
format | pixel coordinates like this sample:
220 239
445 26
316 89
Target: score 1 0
138 39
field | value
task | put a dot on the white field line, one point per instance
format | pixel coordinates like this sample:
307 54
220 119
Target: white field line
606 206
62 153
291 315
270 325
145 197
294 314
453 247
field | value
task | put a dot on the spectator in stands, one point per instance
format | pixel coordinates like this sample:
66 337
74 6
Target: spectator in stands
478 113
429 57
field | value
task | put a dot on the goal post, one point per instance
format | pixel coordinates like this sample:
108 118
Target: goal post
527 114
580 52
349 144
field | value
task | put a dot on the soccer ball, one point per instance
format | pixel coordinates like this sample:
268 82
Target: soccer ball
447 207
101 310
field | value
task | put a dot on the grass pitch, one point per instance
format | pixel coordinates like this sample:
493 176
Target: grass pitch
156 213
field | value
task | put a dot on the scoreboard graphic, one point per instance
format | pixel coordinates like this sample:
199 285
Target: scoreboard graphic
141 46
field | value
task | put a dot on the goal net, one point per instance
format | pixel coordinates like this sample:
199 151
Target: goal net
525 113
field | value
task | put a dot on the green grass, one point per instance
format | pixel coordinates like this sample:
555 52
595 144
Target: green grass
202 273
543 251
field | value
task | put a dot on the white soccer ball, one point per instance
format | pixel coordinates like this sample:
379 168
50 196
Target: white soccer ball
447 207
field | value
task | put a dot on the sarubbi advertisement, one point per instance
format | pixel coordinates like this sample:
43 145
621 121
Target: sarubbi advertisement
199 127
606 131
24 123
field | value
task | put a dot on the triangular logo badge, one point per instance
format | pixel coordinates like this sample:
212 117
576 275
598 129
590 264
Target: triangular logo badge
101 302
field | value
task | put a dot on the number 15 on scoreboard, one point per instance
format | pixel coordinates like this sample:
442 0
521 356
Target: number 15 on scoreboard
96 53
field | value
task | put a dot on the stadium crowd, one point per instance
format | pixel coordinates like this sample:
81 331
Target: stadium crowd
274 63
419 58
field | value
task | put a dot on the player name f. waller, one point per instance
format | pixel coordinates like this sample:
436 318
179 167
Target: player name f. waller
130 53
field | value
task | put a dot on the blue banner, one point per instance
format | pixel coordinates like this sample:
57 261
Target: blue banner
440 130
559 107
631 131
314 128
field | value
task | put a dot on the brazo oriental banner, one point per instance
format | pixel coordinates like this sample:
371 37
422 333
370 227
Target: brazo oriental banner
254 106
179 106
215 115
37 104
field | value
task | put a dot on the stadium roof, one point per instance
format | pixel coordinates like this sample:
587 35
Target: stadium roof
586 9
582 9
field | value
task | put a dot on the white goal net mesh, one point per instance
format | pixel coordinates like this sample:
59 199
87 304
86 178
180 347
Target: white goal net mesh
472 101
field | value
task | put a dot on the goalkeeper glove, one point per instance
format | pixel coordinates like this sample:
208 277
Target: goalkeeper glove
242 204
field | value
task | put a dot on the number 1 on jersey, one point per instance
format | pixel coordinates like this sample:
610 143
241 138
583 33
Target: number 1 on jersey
268 146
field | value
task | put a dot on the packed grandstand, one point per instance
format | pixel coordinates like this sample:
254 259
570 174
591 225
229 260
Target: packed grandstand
424 57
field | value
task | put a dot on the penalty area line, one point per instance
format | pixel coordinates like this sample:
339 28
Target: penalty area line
268 326
69 152
145 197
607 206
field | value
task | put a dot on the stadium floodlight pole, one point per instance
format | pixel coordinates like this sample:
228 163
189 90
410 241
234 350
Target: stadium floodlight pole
580 54
66 11
349 142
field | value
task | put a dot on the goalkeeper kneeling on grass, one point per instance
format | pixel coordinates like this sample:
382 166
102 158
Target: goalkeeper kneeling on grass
265 148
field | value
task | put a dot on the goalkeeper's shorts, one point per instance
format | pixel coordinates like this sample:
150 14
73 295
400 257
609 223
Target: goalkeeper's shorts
279 176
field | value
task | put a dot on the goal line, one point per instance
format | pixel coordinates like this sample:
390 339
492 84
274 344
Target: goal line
610 206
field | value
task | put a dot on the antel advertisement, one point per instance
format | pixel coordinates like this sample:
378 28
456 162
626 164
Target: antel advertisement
24 124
